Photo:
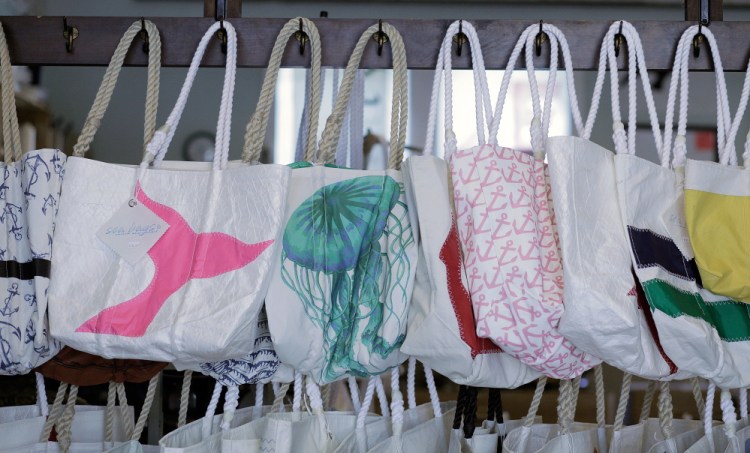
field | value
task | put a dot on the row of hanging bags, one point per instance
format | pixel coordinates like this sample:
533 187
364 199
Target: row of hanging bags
210 248
442 331
29 197
338 302
599 281
506 228
703 333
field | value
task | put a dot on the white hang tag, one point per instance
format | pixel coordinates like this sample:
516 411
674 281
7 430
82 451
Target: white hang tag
132 231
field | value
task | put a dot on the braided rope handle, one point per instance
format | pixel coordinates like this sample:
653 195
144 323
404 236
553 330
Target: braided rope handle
399 103
54 413
708 416
665 410
104 95
680 81
184 398
483 102
157 147
648 401
11 132
255 131
146 408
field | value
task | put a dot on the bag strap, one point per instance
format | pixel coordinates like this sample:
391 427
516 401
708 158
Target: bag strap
11 132
184 398
540 122
622 406
207 424
531 415
680 81
399 103
665 416
255 131
482 100
157 147
743 403
41 395
104 94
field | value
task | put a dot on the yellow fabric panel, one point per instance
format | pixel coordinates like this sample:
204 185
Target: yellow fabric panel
719 229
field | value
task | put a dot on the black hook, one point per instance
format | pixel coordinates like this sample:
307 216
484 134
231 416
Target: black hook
144 35
460 38
380 37
539 39
697 40
301 37
618 41
222 35
69 33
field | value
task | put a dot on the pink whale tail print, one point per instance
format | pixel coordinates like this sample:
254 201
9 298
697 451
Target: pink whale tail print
179 256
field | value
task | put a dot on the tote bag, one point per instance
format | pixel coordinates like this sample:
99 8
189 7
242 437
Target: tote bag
29 197
79 429
418 428
702 333
507 236
442 331
599 282
348 253
137 311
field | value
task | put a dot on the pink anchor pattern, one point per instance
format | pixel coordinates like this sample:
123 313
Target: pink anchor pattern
511 249
179 256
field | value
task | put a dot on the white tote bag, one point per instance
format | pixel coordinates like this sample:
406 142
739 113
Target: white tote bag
506 228
418 428
564 437
204 435
338 301
599 282
29 196
81 429
702 333
156 308
442 330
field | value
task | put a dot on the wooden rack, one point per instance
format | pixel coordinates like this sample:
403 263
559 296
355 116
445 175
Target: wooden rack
39 40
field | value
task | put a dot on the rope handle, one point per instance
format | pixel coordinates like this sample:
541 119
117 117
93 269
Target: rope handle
540 122
146 408
11 132
157 147
399 103
665 411
411 382
482 99
255 131
104 94
680 81
648 401
557 41
184 398
531 415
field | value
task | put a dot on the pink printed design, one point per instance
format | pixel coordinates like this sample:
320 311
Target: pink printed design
512 257
179 256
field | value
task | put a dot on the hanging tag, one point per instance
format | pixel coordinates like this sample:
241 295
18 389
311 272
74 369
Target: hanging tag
132 231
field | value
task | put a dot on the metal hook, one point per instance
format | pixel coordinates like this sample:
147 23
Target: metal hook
539 39
144 35
460 38
301 37
380 37
697 40
69 33
222 35
618 41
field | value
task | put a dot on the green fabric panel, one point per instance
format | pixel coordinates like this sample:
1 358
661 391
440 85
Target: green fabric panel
730 318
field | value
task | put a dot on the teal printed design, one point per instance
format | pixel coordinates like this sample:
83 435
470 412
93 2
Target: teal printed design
344 255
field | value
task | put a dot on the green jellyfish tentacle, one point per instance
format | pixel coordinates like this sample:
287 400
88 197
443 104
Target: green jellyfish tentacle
345 256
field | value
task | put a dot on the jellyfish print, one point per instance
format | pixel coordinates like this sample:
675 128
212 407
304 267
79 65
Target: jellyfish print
345 257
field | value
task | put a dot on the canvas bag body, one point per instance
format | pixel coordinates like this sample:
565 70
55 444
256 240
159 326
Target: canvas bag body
506 229
442 331
599 283
716 211
703 333
29 197
198 207
321 282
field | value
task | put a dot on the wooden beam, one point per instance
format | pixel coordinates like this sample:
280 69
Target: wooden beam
39 41
693 10
225 8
